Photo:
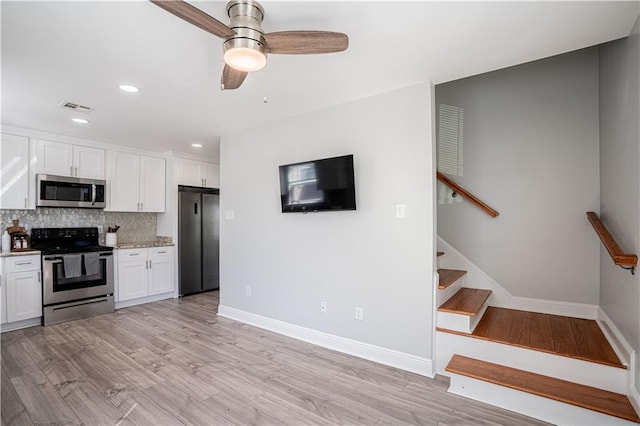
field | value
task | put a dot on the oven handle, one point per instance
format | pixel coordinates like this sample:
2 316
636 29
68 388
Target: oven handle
58 259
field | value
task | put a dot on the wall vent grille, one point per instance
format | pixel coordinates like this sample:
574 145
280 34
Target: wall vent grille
450 139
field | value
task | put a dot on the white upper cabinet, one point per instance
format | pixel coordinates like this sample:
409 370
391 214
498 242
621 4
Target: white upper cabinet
63 159
14 179
211 175
88 162
136 183
124 182
152 184
197 173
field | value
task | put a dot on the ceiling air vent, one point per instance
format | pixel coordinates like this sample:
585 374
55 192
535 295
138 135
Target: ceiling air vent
76 107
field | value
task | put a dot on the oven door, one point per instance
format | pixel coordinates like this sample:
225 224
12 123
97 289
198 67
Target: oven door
56 288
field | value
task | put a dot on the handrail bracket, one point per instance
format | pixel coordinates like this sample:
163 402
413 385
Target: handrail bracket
624 260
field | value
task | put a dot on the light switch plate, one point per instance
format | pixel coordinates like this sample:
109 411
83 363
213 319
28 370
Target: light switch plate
401 211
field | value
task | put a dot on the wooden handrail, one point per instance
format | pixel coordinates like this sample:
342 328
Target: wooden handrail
466 194
620 258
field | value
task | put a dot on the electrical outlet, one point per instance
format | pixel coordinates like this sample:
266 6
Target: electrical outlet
359 313
100 229
323 307
247 291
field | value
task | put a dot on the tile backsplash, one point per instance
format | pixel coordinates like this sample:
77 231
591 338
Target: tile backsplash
134 227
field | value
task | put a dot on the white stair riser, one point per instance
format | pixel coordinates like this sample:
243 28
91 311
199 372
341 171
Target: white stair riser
573 370
459 322
445 294
538 407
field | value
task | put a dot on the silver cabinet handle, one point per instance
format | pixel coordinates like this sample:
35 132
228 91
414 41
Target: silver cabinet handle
70 170
39 276
25 202
133 254
149 264
23 263
76 171
141 206
161 252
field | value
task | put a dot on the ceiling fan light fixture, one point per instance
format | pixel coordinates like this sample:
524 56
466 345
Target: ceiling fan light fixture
245 54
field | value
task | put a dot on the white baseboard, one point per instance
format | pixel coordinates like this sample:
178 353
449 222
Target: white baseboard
625 352
634 399
553 307
141 300
390 357
10 326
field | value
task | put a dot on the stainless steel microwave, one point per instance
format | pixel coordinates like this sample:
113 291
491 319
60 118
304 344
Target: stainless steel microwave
66 191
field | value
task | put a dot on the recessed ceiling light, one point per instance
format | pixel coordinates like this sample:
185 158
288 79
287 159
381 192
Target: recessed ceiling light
80 120
196 145
129 88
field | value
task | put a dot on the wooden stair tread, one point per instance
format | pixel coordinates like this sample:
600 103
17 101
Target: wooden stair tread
467 301
588 397
448 277
559 335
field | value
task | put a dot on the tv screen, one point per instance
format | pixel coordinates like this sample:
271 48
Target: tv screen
318 185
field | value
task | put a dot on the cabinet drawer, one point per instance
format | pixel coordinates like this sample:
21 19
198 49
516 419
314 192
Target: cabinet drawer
21 263
160 252
132 254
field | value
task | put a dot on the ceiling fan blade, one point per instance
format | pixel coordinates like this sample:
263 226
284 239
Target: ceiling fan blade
195 16
231 78
306 42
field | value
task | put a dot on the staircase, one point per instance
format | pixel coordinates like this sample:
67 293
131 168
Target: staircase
557 369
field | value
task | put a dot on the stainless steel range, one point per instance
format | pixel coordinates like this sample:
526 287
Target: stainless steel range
77 273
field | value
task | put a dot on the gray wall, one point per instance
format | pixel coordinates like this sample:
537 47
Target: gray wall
620 181
365 257
530 152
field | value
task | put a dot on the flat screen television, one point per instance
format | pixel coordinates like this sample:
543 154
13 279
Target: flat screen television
318 185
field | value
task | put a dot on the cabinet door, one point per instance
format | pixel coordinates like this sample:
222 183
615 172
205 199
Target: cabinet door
161 272
132 280
54 158
124 182
152 184
24 296
189 172
88 162
14 179
211 175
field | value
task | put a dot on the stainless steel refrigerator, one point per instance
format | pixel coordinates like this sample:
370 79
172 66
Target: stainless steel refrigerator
198 239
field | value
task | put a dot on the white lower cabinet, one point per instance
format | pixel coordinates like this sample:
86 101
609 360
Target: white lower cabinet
21 288
144 272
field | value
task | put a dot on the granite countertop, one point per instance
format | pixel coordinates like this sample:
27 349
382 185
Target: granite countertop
27 252
158 242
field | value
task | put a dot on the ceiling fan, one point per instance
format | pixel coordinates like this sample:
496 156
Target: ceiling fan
246 45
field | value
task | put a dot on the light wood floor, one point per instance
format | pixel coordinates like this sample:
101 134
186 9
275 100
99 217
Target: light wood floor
176 362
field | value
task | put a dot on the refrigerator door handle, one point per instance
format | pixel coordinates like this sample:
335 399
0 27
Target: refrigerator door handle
195 208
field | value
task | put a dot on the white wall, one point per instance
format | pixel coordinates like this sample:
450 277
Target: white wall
530 152
362 258
620 182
